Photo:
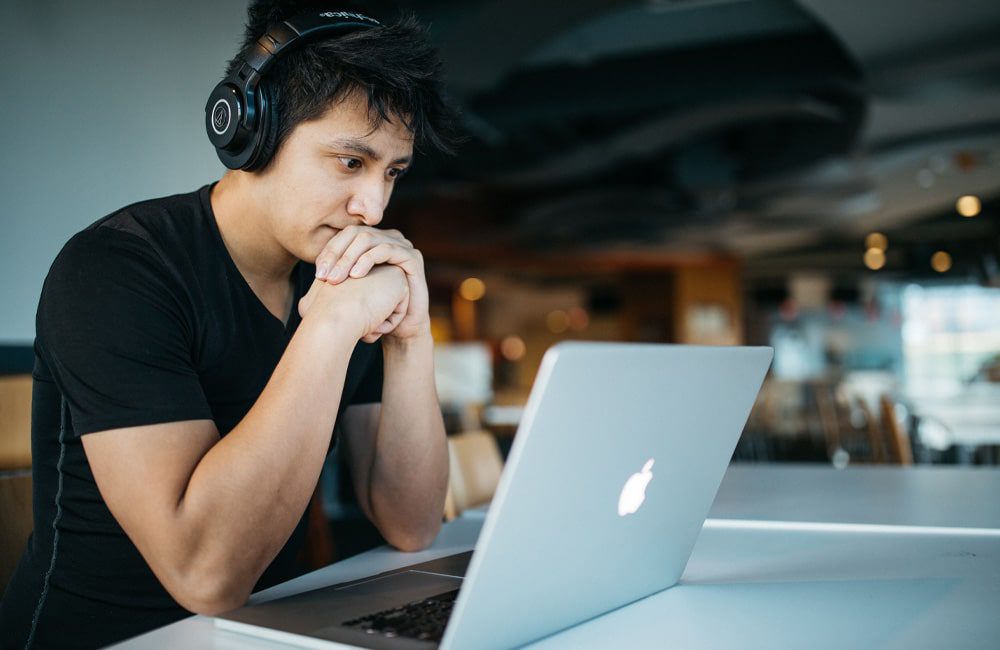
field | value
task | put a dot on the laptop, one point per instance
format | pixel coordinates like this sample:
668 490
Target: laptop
618 457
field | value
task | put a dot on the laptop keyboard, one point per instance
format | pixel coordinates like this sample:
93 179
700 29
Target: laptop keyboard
423 619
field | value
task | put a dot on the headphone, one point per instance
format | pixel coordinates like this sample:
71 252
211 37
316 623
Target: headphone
240 118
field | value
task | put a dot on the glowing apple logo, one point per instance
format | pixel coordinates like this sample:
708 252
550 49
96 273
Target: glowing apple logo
634 492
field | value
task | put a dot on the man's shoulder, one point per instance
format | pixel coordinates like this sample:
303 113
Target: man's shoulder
178 220
163 229
158 237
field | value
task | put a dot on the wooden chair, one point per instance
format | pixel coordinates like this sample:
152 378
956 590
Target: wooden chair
830 420
319 549
899 451
15 422
15 515
15 472
873 428
475 464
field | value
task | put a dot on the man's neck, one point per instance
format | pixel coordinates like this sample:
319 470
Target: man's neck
246 233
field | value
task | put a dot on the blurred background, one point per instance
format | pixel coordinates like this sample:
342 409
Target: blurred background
821 176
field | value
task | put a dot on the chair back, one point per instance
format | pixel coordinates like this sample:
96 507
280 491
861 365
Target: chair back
15 422
15 513
475 465
897 441
876 441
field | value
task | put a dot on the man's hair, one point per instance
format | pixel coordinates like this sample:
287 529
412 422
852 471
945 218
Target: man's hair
394 66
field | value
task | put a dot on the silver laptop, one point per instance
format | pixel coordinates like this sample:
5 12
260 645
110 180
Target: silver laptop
616 462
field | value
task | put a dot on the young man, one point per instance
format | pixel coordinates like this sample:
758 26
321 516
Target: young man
195 353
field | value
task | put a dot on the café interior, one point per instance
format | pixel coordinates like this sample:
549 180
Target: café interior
796 175
808 175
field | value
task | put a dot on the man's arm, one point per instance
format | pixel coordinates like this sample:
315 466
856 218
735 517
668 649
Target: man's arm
209 515
401 472
398 453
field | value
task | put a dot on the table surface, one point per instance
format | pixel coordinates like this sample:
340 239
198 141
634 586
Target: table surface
878 495
791 556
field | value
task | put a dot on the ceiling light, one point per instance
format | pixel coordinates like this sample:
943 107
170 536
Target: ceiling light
941 262
968 205
876 240
513 348
472 289
558 321
874 258
578 318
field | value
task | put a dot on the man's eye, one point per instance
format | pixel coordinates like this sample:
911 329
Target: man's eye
396 173
351 163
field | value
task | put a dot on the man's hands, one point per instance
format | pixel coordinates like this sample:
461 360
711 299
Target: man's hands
374 304
356 252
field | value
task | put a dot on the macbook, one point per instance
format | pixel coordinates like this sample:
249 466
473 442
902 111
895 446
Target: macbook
614 466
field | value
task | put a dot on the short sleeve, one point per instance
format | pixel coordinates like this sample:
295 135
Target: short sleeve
370 387
116 332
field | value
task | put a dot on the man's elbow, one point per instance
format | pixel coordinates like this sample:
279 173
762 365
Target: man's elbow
411 541
209 595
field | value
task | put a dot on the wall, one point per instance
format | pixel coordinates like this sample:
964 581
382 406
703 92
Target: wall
102 106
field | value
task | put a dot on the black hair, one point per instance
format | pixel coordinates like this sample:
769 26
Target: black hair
394 66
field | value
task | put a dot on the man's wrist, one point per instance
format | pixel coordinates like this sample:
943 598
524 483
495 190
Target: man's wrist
335 324
336 314
421 341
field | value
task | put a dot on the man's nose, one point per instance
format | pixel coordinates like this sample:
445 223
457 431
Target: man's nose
368 203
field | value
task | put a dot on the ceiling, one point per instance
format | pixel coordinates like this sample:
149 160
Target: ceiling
777 131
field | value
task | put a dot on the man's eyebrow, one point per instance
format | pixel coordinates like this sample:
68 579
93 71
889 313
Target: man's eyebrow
362 148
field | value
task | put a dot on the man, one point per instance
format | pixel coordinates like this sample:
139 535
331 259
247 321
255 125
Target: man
195 353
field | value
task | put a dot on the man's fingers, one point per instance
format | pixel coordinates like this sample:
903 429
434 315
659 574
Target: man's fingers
399 312
341 253
396 317
334 249
406 258
341 265
398 236
381 254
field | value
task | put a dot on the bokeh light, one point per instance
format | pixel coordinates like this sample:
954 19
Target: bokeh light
941 262
968 205
472 289
876 240
557 321
579 319
874 258
513 348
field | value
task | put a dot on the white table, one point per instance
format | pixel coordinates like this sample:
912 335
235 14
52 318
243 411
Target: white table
799 589
914 496
783 562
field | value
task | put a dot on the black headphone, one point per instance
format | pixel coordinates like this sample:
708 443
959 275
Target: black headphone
240 118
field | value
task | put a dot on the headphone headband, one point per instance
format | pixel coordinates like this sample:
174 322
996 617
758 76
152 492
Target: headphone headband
301 29
238 117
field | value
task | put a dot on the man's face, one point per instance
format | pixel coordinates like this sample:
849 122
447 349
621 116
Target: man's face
330 173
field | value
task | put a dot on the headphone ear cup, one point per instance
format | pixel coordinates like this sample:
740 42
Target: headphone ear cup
223 115
267 136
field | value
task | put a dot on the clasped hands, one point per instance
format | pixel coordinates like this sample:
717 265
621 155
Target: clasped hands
391 287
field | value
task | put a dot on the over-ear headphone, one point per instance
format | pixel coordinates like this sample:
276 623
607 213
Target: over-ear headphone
240 118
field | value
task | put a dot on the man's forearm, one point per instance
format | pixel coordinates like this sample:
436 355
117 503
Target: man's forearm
409 475
249 491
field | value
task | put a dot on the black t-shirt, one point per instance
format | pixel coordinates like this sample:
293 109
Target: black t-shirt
143 318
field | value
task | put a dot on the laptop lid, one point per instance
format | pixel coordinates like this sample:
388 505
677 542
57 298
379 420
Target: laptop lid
616 462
